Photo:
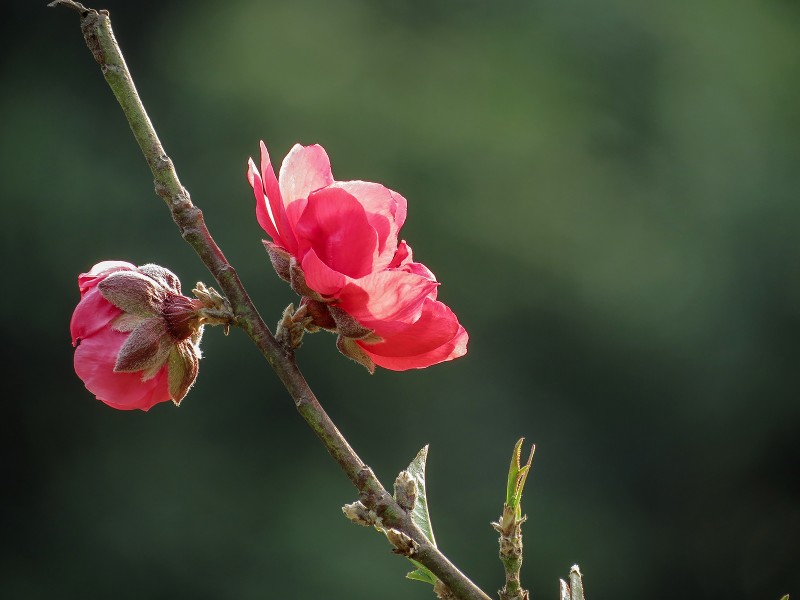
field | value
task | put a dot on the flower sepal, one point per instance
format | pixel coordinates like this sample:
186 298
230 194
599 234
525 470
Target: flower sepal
279 258
297 281
351 350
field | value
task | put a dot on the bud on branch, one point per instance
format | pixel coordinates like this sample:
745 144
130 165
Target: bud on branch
137 337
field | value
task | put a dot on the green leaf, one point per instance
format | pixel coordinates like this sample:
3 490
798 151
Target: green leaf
786 597
513 471
516 477
422 574
420 515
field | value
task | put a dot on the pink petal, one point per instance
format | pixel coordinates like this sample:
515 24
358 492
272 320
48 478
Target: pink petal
386 212
264 213
435 337
94 364
277 202
404 260
92 314
320 277
304 170
295 210
385 296
422 271
271 188
100 271
335 225
454 348
402 256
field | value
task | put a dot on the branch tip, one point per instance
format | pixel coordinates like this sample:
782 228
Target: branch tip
76 6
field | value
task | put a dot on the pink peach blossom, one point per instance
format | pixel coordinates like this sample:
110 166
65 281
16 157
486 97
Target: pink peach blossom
136 343
337 243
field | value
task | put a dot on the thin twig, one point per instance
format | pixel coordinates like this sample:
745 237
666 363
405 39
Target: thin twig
509 526
97 32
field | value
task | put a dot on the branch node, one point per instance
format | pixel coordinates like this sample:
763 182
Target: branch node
164 162
403 544
292 326
443 592
106 68
360 514
365 474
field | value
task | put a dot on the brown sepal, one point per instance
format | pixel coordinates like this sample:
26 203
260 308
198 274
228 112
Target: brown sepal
133 293
196 337
371 338
183 365
163 276
279 258
181 316
147 347
126 322
350 349
320 315
347 325
151 372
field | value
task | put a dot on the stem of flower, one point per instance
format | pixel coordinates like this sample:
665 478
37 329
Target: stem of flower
96 28
511 554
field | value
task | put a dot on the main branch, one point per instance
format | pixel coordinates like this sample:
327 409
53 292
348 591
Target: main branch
96 28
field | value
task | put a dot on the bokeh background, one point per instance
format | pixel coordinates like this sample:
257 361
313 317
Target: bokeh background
608 192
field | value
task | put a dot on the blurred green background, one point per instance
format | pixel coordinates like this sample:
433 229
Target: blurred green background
608 192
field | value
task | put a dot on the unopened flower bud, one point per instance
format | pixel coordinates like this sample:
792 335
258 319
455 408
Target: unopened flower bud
405 490
136 336
292 327
402 543
359 514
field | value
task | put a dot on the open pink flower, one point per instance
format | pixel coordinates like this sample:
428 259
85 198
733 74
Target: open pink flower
336 242
136 337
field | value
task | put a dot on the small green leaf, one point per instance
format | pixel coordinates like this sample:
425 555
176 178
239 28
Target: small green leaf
513 471
516 478
420 515
786 597
422 574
